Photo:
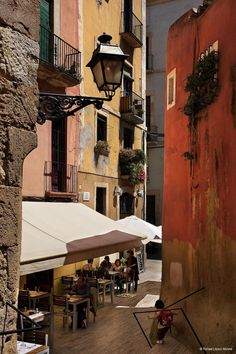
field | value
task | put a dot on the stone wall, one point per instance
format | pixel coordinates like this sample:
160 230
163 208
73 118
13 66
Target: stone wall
19 52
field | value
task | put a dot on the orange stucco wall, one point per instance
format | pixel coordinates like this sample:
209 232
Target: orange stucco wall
199 226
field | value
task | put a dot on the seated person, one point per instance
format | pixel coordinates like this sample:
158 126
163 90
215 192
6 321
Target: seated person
103 271
125 275
82 289
88 269
117 266
108 263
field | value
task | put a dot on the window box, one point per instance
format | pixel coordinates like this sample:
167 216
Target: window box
102 148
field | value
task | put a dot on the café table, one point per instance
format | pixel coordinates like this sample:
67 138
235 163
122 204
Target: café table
113 274
103 283
75 300
38 317
31 348
36 295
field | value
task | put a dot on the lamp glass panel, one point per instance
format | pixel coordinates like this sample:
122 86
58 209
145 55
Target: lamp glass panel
98 75
112 71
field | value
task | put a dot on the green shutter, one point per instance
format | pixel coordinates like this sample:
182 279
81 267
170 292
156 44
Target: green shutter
45 14
44 34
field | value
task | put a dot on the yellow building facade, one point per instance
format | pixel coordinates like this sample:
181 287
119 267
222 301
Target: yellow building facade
120 124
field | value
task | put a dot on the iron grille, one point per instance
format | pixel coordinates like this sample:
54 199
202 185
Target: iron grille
60 177
131 24
59 54
130 102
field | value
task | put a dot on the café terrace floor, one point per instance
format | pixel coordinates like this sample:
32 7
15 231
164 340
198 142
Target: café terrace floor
116 330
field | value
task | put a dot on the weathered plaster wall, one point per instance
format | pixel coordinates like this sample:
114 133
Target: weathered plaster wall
66 27
160 15
18 102
108 20
199 214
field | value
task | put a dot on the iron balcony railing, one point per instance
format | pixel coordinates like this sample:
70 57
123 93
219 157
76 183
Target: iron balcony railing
131 24
60 177
132 103
59 54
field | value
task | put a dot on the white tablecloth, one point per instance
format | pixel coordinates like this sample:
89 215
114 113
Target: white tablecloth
25 347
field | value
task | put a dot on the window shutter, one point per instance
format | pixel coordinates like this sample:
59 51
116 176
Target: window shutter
45 14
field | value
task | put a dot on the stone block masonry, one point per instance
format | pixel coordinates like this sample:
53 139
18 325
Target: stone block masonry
19 53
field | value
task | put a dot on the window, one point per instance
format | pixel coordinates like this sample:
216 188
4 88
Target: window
128 138
147 51
101 128
128 8
127 88
46 13
46 21
148 115
171 88
59 155
149 56
151 209
101 200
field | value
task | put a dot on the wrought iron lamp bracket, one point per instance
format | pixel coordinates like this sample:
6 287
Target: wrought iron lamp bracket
57 106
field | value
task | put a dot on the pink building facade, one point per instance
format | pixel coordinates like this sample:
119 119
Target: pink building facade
50 171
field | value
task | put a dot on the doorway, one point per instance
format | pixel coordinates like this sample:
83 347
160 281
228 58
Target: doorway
101 200
151 209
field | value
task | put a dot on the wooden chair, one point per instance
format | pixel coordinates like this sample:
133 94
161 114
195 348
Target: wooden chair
60 308
44 304
94 295
36 336
129 282
23 299
87 273
68 282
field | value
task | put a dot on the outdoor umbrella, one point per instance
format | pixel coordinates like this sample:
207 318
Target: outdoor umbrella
135 224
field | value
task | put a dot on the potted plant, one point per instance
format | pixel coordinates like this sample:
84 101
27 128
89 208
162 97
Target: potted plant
102 148
132 164
137 174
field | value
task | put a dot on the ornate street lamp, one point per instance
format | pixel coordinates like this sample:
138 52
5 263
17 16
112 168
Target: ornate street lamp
107 64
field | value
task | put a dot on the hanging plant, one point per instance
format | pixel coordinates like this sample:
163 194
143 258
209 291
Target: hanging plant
202 85
137 174
132 164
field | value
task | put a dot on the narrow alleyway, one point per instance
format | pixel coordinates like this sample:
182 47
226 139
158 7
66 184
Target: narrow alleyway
116 330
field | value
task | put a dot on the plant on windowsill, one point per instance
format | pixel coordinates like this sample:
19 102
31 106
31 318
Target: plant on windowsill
102 148
202 86
132 164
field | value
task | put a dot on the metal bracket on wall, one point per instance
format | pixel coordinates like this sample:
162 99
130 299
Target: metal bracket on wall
57 106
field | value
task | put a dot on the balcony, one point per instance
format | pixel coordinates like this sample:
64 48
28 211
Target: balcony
131 108
131 30
60 63
60 180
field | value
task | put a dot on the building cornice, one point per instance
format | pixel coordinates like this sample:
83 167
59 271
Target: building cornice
157 2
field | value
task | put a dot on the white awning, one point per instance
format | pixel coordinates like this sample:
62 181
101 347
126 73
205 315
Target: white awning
152 232
54 234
